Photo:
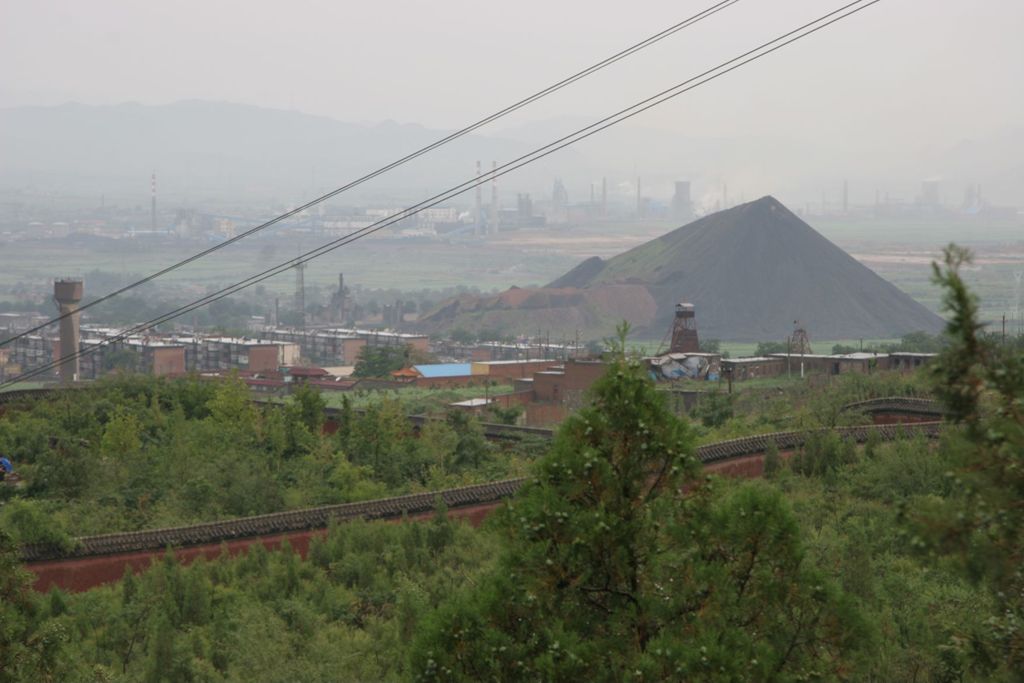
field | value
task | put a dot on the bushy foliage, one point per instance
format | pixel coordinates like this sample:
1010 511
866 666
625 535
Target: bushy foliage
609 573
981 381
381 361
344 614
769 347
714 409
139 452
30 645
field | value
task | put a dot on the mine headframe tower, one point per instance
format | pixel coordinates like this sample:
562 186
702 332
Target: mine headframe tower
800 342
684 330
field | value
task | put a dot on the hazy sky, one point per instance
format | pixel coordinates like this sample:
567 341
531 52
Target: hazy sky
948 66
917 74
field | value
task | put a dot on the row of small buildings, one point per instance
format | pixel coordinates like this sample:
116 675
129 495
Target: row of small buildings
778 364
102 350
549 390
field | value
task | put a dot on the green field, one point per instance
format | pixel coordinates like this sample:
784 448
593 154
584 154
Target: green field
415 400
900 251
928 233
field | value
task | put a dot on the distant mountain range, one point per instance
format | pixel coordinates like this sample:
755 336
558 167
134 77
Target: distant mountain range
751 271
211 149
205 151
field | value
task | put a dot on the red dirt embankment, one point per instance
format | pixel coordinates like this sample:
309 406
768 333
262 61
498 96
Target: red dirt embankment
81 574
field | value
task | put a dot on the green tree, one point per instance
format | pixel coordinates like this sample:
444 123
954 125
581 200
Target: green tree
772 460
380 361
462 336
231 409
610 573
309 407
29 521
710 346
438 442
982 386
508 416
471 448
122 436
123 359
765 348
346 420
380 440
714 409
30 650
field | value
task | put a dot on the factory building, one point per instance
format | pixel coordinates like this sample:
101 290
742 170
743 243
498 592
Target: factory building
327 347
341 346
254 355
148 356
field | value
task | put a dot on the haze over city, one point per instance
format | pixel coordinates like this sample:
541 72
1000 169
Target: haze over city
462 342
861 103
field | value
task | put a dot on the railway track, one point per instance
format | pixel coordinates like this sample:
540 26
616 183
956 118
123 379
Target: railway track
276 524
899 405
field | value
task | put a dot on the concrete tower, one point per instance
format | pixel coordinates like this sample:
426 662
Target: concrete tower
684 330
339 302
682 205
67 292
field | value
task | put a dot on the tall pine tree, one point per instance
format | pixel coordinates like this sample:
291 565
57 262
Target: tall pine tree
621 563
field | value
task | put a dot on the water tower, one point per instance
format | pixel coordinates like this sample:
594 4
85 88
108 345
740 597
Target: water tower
67 292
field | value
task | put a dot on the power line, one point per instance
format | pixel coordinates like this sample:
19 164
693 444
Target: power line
722 69
657 37
709 75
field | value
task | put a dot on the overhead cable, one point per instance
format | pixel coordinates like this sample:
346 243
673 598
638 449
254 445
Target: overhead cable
722 69
657 37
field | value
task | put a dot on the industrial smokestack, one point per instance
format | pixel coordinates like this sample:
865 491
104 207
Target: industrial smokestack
494 199
684 330
67 292
604 197
682 206
478 216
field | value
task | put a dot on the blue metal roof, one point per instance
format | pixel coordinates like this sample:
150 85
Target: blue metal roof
436 370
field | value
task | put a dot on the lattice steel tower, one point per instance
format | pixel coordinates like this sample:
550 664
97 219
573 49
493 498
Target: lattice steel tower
800 342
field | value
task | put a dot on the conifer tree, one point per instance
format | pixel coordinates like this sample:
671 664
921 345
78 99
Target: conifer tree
611 572
981 382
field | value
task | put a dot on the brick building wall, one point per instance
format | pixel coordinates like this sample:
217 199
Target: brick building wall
168 360
263 358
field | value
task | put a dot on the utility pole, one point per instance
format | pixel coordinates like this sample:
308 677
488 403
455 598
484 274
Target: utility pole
478 218
493 227
300 296
789 354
